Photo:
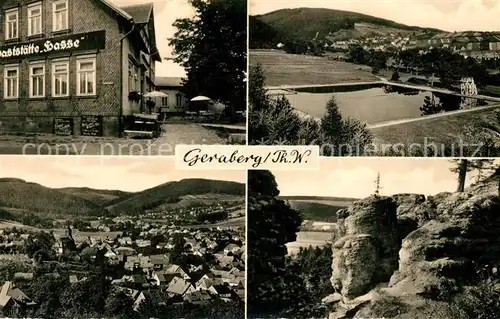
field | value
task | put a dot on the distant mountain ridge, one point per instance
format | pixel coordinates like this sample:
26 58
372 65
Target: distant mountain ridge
172 191
27 197
307 23
319 208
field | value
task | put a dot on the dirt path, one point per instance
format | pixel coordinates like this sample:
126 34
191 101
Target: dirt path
46 144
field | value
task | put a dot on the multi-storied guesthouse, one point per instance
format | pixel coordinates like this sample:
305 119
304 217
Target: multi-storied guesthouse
74 67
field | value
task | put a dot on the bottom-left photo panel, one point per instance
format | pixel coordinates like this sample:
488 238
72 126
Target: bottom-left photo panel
120 237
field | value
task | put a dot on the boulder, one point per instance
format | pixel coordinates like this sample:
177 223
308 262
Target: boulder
354 265
443 240
439 257
366 252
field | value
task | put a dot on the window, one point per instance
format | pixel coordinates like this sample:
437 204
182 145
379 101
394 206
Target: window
60 78
131 79
11 82
164 101
35 19
86 76
60 15
11 24
37 79
136 78
178 100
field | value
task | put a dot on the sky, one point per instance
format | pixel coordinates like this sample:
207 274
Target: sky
448 15
355 177
126 173
166 12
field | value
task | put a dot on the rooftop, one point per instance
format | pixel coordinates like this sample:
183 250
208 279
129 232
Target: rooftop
162 81
139 12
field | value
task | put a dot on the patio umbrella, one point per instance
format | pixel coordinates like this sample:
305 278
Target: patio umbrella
200 98
155 94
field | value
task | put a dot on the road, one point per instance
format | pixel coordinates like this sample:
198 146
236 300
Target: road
241 128
164 145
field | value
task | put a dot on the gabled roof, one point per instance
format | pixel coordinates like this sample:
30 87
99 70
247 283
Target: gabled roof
118 10
178 286
163 81
139 12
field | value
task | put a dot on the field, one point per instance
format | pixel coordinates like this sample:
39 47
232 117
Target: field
319 209
233 222
201 200
442 130
281 68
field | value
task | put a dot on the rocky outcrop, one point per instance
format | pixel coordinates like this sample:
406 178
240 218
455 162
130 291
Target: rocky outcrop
366 251
420 252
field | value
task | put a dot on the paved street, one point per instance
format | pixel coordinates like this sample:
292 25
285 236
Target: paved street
59 145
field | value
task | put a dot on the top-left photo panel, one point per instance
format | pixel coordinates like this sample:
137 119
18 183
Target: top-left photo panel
121 77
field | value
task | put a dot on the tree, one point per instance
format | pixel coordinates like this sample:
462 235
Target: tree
463 166
431 106
377 185
212 48
273 121
262 183
271 224
344 136
257 93
395 76
178 249
40 245
119 304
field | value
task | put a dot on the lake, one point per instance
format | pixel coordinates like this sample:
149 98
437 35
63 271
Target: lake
371 105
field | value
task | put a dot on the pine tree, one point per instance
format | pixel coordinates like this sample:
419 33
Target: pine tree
377 186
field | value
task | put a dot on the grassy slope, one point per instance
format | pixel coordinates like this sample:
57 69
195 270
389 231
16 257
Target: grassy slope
281 68
438 130
202 200
98 196
173 191
303 23
18 198
39 199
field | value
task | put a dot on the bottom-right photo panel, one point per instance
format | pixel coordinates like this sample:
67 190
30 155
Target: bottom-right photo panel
375 238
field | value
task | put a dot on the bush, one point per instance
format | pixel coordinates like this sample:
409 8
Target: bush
395 76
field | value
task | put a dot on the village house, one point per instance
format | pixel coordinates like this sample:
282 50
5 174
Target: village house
175 102
81 65
125 241
204 283
144 295
143 243
198 297
160 262
13 300
176 269
231 248
224 260
179 286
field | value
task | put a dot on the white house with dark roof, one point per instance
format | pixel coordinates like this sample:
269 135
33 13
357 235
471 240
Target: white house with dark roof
176 102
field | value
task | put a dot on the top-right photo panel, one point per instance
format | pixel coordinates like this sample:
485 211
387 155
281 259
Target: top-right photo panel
376 78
